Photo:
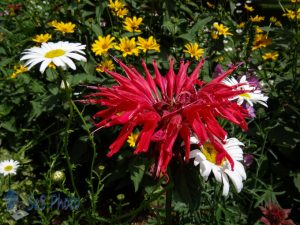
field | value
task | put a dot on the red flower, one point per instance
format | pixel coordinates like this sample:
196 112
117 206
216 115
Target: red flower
166 108
275 215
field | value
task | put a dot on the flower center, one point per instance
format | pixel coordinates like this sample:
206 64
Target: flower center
245 95
210 152
8 168
55 53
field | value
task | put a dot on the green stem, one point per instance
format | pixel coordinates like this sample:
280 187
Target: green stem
168 207
91 138
66 136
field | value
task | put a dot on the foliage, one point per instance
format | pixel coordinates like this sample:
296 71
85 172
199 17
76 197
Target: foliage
44 126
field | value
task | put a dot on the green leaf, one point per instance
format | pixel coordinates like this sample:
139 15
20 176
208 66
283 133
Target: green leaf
137 170
9 125
5 109
297 181
187 185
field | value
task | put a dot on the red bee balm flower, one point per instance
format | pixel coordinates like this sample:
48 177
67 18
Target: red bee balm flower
275 215
166 108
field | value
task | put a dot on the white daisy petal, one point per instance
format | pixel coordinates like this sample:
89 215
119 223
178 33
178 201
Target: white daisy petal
9 167
44 65
225 184
236 179
206 159
69 62
60 53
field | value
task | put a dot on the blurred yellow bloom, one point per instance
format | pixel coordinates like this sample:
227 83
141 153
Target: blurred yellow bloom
53 23
128 47
249 8
132 24
194 50
292 15
107 64
132 139
295 1
42 38
270 56
116 5
103 44
63 27
19 70
52 65
121 13
221 29
214 34
273 19
257 19
148 44
241 25
278 24
261 41
210 5
258 30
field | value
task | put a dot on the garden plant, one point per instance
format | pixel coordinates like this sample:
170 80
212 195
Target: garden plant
150 112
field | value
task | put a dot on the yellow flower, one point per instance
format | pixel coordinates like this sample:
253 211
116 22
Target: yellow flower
241 25
121 13
214 34
116 5
273 19
132 25
41 38
107 64
19 70
278 24
148 44
270 55
210 5
261 41
249 8
221 29
128 47
258 30
257 19
194 50
63 27
53 23
292 15
132 139
102 45
295 1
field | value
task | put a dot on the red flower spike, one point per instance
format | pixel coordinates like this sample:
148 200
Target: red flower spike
167 108
275 215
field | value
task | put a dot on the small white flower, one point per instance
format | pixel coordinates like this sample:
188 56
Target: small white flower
206 158
239 11
238 4
239 30
253 95
60 54
9 167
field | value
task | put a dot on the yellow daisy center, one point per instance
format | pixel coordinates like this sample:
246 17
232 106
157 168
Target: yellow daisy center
55 53
8 168
245 95
210 152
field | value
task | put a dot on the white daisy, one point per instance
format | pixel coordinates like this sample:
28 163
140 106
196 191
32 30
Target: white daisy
9 167
253 96
60 54
206 157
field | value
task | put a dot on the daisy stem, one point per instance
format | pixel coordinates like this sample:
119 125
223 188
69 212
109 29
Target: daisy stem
91 138
8 181
66 137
